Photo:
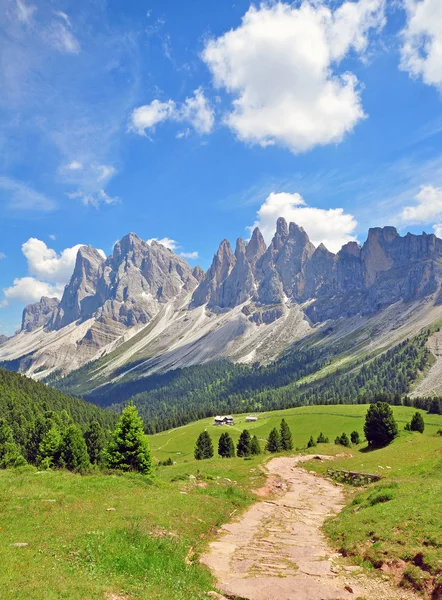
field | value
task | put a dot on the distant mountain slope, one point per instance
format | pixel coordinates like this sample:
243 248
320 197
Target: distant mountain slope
145 311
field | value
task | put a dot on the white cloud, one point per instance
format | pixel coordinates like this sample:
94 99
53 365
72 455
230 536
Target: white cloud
25 11
198 112
105 172
22 197
438 230
190 255
280 65
52 236
333 227
427 207
46 264
28 290
421 52
146 117
169 243
59 36
74 166
2 255
94 198
195 110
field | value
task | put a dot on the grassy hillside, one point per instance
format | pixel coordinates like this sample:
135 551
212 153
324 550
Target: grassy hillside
78 549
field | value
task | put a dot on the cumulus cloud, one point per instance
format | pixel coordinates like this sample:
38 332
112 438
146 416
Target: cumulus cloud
421 54
438 230
333 227
48 270
169 243
427 207
28 290
195 110
46 264
280 66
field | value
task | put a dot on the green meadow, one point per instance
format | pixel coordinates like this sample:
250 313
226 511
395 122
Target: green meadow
101 536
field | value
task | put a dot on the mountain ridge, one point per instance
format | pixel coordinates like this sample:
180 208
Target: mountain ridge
144 309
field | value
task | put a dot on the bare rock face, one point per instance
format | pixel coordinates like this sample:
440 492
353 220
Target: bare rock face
198 273
210 289
255 248
78 301
138 278
38 314
3 339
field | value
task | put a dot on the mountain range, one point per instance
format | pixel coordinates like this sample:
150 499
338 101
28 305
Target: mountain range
145 310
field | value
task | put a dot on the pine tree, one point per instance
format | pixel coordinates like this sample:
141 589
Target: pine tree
128 448
380 426
49 448
255 447
226 448
10 455
243 447
354 437
286 437
417 423
274 441
435 407
73 451
204 446
95 439
322 439
311 443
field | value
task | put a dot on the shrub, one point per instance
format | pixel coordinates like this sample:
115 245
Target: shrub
355 438
311 443
343 440
380 427
322 439
417 423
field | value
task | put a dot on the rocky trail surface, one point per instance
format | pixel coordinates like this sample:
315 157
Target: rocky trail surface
277 551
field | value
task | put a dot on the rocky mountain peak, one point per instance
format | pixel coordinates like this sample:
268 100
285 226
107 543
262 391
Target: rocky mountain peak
78 297
256 247
39 314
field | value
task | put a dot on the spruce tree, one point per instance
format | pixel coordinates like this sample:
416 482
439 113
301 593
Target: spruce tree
380 426
49 448
243 447
274 441
322 439
95 439
286 437
354 437
435 407
226 448
204 446
417 423
73 451
128 448
311 443
10 455
255 447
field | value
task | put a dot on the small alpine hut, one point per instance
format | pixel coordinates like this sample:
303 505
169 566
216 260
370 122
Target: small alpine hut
224 420
251 419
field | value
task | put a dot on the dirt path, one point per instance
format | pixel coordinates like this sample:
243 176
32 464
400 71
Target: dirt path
277 551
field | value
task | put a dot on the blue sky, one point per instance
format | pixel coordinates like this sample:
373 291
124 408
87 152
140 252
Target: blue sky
191 122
